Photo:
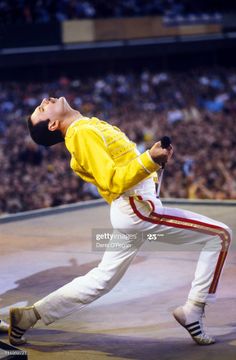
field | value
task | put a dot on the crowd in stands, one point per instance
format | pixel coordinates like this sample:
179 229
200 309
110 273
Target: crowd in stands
43 11
196 108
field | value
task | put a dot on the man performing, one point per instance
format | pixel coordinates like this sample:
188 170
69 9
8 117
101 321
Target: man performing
102 155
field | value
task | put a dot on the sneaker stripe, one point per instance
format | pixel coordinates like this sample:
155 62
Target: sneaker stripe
194 329
18 328
16 336
18 331
192 324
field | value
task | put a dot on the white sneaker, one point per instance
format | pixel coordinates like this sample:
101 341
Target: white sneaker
195 328
21 319
3 326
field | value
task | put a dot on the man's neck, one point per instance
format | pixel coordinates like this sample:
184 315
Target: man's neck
73 116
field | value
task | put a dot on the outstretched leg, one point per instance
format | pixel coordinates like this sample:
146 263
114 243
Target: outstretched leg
79 292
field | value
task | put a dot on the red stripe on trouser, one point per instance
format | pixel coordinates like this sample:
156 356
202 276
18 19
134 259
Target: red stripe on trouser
163 220
217 273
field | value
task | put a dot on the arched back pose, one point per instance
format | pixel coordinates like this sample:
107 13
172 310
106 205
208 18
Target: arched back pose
103 155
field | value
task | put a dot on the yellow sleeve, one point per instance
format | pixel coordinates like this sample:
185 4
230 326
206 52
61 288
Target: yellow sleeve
91 153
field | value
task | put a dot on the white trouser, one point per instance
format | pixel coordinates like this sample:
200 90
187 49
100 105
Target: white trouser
137 213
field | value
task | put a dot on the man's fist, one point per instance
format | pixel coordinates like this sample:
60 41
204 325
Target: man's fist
160 155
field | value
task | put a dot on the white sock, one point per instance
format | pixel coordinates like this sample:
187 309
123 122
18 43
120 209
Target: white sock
193 310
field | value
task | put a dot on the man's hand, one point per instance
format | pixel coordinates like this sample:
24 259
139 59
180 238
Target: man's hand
160 155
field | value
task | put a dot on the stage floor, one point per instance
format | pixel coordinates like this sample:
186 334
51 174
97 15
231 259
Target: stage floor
134 320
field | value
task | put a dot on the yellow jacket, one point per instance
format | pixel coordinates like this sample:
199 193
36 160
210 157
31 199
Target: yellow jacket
103 155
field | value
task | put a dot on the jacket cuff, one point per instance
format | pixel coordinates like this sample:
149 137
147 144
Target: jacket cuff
148 163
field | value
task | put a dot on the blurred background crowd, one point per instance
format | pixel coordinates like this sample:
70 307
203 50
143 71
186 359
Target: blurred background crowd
197 108
176 77
41 11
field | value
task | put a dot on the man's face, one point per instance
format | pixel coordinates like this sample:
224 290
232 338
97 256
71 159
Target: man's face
50 108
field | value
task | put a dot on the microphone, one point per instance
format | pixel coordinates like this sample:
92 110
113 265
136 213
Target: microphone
165 142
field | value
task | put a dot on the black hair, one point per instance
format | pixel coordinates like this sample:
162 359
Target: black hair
42 135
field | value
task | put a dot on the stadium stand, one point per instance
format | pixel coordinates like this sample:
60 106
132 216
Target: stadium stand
195 108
